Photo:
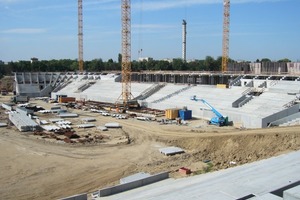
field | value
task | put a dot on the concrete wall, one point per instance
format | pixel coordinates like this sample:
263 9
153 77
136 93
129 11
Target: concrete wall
239 119
245 82
255 68
287 119
293 68
76 197
46 92
282 114
131 185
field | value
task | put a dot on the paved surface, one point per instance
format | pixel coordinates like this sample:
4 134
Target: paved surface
259 178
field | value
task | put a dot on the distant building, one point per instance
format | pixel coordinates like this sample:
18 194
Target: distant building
145 59
170 60
191 60
32 60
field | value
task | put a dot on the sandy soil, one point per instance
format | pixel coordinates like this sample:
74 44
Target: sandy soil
34 168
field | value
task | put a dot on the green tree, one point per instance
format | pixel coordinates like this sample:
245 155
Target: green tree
284 60
265 60
150 64
208 63
178 64
120 58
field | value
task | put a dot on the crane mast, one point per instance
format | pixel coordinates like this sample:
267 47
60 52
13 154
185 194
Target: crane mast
226 23
80 36
126 52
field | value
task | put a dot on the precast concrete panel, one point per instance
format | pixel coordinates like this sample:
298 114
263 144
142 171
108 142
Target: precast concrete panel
134 177
171 150
22 122
76 197
292 194
134 184
279 115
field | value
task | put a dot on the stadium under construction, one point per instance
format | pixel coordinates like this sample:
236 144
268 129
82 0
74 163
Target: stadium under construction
257 96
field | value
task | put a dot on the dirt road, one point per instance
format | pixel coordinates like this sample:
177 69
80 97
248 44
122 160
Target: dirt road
32 168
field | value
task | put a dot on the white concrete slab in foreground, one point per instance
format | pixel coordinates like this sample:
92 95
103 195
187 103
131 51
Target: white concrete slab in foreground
258 178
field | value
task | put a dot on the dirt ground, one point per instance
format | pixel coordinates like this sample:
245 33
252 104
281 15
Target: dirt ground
35 168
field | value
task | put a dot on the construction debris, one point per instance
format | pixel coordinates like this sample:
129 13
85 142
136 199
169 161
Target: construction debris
3 124
184 170
50 128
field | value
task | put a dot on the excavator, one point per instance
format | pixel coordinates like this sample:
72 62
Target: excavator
219 119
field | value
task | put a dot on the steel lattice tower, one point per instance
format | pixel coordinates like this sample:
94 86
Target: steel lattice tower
126 52
80 36
226 23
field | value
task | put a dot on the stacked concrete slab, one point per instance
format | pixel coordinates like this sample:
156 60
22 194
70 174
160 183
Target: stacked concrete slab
23 122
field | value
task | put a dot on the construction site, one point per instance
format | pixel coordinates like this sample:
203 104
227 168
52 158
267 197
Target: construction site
229 134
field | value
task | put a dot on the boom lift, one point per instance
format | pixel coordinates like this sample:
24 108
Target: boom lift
219 119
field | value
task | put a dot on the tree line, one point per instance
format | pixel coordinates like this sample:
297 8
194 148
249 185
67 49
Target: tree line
98 65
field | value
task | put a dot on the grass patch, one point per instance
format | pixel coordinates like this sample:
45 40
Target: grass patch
206 169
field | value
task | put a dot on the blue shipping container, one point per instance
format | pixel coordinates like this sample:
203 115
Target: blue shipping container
185 114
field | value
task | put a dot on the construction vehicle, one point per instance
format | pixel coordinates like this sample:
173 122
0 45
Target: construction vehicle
4 91
219 119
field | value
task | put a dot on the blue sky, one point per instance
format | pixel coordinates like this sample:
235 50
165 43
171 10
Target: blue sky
47 29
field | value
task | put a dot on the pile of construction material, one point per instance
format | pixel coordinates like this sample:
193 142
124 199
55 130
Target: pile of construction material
70 136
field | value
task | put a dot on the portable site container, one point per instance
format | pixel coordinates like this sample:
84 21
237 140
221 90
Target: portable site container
66 99
171 113
185 114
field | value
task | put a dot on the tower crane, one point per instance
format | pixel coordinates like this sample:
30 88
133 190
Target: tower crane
226 23
126 52
80 36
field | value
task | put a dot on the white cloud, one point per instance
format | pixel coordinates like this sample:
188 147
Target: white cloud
24 31
169 4
11 1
